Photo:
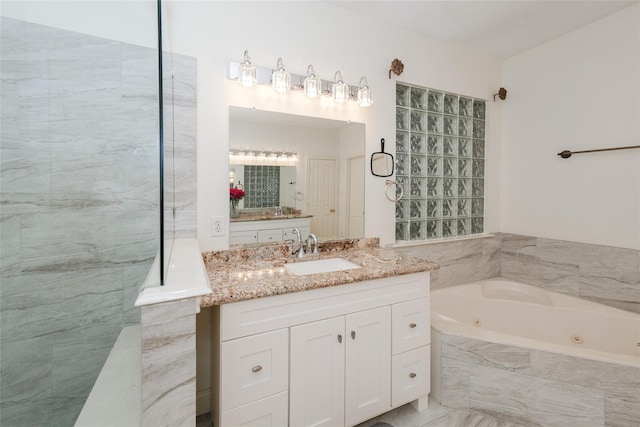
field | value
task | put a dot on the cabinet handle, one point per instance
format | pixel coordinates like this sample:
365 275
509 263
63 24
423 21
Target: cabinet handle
412 375
256 368
412 325
340 338
353 335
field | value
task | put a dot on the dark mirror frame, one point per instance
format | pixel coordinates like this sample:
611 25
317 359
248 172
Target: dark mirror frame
380 155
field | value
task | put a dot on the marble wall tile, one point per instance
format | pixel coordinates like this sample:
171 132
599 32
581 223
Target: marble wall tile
9 250
184 223
76 355
26 183
66 240
45 304
605 274
169 363
51 411
34 380
79 131
84 183
527 398
134 276
460 261
621 411
536 386
610 377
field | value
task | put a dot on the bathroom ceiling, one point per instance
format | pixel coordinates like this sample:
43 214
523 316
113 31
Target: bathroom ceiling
503 28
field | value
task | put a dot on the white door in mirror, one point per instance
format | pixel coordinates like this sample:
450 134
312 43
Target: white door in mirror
320 266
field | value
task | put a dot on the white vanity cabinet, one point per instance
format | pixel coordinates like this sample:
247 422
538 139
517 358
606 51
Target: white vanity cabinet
272 230
334 356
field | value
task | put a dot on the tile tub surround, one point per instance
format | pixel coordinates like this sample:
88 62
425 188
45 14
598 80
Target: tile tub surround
258 271
78 144
604 274
533 387
461 261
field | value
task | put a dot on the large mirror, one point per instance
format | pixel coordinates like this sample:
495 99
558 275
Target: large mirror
325 179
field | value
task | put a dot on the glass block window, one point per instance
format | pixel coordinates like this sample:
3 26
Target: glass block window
440 146
261 186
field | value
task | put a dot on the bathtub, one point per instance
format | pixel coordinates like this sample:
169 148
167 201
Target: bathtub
530 355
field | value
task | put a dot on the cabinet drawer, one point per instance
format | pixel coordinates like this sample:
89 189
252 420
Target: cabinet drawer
254 367
265 236
410 325
410 376
242 237
269 412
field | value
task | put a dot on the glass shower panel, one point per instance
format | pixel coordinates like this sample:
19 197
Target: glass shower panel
79 212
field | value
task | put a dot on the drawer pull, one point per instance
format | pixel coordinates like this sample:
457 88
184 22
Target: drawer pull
340 338
353 335
256 368
412 375
412 325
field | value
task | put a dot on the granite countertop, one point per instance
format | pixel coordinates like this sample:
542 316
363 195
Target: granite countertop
267 217
258 271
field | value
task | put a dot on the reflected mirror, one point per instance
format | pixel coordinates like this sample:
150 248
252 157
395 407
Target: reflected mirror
297 166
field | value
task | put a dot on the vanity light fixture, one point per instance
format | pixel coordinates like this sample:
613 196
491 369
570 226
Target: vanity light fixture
312 84
363 96
281 79
339 90
247 72
249 75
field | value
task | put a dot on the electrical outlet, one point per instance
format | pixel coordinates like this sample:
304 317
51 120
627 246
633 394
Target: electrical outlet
217 226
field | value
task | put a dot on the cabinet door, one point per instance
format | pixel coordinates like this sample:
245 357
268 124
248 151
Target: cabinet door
316 388
368 364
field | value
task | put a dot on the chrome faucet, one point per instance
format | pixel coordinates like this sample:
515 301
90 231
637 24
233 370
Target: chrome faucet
312 240
297 245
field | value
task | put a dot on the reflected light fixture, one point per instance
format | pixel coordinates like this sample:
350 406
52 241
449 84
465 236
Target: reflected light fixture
312 84
247 72
340 90
281 79
363 96
263 158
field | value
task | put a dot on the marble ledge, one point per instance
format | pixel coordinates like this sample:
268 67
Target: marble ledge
186 276
115 397
258 271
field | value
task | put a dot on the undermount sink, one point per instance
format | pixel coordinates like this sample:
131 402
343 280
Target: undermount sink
320 266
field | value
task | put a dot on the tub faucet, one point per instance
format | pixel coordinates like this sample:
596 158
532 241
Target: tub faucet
297 245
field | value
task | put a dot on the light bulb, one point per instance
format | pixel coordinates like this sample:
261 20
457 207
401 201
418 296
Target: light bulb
247 72
312 84
364 94
281 79
340 90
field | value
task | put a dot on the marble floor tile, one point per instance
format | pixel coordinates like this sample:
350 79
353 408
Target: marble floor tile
437 416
